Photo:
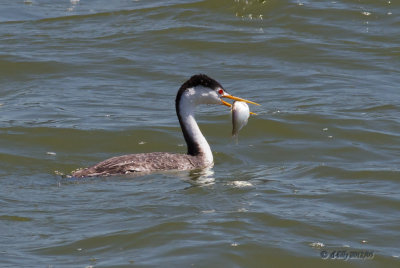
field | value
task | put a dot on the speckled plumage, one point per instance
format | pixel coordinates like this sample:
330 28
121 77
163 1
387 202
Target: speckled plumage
145 162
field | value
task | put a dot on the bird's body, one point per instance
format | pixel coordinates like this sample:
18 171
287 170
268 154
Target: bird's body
199 89
133 163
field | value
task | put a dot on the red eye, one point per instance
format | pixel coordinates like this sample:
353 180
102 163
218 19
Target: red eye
220 92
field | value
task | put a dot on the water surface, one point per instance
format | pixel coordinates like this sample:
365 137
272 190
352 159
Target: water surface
316 171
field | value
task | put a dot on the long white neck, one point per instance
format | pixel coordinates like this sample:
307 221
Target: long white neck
196 142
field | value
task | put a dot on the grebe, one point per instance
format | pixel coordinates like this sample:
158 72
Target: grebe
199 89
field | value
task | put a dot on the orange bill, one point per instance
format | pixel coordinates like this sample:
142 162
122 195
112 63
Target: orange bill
226 95
230 105
226 103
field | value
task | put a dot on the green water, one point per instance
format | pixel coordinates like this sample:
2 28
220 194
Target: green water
315 174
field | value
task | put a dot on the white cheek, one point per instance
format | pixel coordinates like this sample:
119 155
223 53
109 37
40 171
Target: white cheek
190 92
214 98
190 95
198 96
209 97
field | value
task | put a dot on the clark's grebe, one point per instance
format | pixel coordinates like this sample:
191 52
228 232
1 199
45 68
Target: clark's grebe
199 89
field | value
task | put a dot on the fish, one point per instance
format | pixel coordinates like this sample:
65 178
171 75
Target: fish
240 116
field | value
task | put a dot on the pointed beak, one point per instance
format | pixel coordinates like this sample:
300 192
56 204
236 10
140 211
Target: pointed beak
226 95
226 103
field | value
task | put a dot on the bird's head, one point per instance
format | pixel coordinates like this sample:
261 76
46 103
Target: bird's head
202 89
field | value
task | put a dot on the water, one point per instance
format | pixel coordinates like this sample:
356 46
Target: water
316 171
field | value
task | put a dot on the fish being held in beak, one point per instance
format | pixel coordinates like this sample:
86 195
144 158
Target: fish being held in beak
240 116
